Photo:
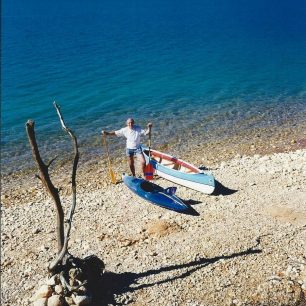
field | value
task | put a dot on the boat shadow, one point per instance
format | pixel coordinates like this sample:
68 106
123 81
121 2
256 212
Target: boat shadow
113 284
222 190
219 188
190 211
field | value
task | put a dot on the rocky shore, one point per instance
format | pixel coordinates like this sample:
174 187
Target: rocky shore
244 245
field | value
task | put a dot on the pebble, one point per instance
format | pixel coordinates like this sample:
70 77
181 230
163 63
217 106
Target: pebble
58 289
55 300
52 281
43 292
81 299
41 302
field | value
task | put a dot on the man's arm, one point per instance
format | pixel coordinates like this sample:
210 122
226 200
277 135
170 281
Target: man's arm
149 127
112 133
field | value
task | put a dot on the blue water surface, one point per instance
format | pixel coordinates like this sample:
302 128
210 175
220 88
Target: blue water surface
179 64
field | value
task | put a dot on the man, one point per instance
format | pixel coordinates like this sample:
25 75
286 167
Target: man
132 134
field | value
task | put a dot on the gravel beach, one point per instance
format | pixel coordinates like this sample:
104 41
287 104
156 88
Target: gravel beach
243 245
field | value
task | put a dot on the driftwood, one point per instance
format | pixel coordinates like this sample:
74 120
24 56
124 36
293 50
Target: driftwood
63 237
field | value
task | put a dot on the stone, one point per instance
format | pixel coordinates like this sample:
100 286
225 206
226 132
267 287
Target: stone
43 292
82 290
58 289
81 299
52 281
41 302
36 231
56 300
69 300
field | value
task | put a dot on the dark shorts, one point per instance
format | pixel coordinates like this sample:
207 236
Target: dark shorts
133 152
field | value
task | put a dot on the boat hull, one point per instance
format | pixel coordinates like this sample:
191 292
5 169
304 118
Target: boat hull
202 187
154 193
180 172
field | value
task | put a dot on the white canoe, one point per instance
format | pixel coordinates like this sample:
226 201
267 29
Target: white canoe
179 171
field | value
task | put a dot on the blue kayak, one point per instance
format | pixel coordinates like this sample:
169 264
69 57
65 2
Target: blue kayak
154 193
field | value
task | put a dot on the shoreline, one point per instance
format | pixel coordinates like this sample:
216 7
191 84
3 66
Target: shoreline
173 137
24 184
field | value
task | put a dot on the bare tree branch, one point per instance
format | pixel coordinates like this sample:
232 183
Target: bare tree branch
62 253
73 183
51 161
75 162
37 176
46 181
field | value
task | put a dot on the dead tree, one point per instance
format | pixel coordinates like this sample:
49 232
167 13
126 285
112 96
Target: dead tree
62 235
79 278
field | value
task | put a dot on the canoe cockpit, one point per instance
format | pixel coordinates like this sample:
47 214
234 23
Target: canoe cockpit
174 164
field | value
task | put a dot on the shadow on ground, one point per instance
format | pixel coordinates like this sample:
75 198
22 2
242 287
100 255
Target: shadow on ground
222 190
191 202
117 284
190 211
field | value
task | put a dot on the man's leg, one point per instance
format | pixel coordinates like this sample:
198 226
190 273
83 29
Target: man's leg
131 164
142 162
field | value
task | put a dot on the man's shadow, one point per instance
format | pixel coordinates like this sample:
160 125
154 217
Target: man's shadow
119 283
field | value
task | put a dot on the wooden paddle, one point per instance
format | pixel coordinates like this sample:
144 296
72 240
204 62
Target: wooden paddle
111 172
149 168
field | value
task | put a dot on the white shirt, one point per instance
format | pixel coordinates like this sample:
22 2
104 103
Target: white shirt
132 135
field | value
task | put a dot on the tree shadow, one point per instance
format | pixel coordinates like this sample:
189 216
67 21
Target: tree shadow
222 190
119 283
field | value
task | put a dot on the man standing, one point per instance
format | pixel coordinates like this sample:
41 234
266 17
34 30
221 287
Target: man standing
132 134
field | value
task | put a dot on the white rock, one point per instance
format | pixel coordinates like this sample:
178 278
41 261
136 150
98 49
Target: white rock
43 292
41 302
58 289
55 300
81 299
52 281
223 165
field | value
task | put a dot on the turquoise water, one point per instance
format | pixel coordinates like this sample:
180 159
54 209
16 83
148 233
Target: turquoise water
190 67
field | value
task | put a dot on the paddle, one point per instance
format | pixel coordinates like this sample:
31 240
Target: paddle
111 172
149 168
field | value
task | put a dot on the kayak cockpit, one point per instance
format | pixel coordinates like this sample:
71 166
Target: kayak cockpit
146 186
